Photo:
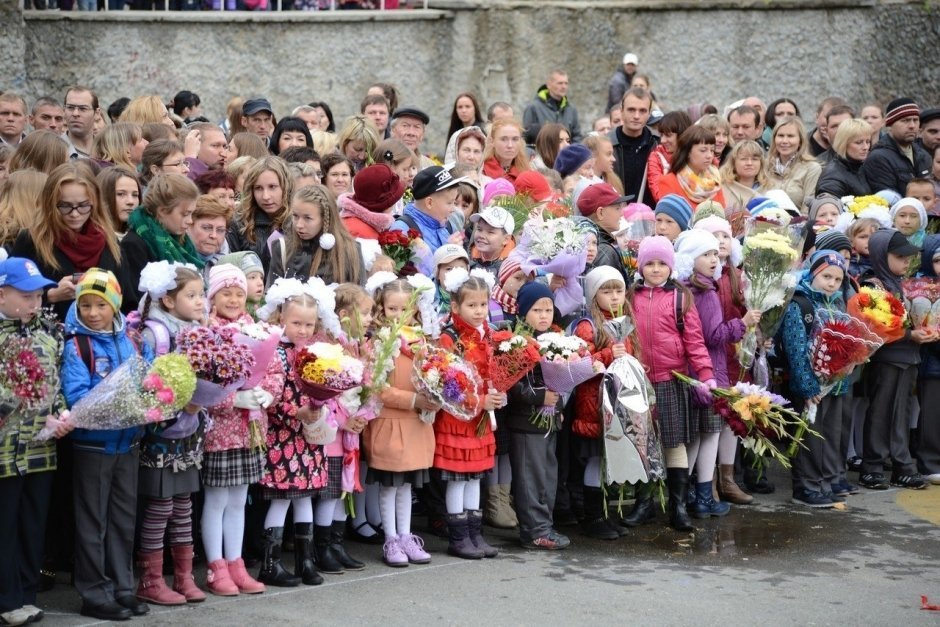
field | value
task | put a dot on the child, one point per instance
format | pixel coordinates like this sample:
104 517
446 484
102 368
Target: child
26 466
249 263
316 243
461 455
399 445
928 441
170 451
294 470
859 233
824 211
382 263
672 336
446 258
531 449
673 214
230 464
605 292
924 191
508 282
890 378
106 462
910 218
492 238
603 206
697 263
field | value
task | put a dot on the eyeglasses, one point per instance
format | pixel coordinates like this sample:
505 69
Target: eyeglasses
208 229
81 108
177 164
65 208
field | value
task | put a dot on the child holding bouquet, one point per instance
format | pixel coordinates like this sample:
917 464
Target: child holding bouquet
26 466
670 335
605 292
463 456
106 462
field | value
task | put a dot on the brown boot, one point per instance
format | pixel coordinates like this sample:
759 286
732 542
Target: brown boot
729 490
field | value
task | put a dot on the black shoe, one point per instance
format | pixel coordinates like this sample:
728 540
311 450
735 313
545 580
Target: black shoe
677 480
135 605
873 481
272 569
913 481
108 611
353 533
46 580
564 518
327 561
339 548
811 498
760 486
304 565
854 464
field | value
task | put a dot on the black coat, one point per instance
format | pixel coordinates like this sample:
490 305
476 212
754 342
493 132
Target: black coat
524 399
632 154
887 168
843 177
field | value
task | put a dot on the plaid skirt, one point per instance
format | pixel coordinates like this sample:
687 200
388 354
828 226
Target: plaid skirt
706 420
334 479
392 479
673 413
448 475
237 466
272 494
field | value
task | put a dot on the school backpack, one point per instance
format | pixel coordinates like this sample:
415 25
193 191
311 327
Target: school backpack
777 360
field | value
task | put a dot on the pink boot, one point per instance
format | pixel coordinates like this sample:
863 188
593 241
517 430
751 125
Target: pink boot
219 581
393 554
183 581
413 546
241 578
152 587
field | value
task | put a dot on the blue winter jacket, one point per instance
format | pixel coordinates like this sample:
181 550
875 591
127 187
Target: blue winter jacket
109 350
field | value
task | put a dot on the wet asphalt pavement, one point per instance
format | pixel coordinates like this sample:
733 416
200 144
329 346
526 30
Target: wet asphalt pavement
768 563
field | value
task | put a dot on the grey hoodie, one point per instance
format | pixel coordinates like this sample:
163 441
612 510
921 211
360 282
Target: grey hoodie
904 352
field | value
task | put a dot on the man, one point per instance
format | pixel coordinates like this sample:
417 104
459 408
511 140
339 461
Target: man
836 116
633 142
407 125
497 111
551 105
603 206
929 130
620 82
616 116
258 118
309 115
376 108
212 149
818 141
602 125
12 119
435 198
745 124
896 159
47 114
81 106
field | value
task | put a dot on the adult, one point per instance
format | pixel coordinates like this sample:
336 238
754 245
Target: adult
289 133
120 193
220 185
376 108
385 89
620 82
929 130
309 115
357 140
742 174
327 125
466 147
693 175
836 116
47 115
81 104
896 159
258 118
368 210
71 234
209 227
818 141
435 197
19 197
337 173
670 128
146 110
779 110
408 125
843 176
505 155
551 104
212 151
12 118
164 156
43 151
745 124
120 144
789 165
186 105
552 138
466 112
873 114
497 111
633 141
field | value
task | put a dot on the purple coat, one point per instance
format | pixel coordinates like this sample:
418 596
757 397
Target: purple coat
717 331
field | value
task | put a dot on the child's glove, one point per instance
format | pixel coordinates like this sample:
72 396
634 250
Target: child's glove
701 393
252 399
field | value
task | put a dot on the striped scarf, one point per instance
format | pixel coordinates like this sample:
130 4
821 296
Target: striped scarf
509 303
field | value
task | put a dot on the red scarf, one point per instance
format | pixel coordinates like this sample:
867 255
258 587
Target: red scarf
83 248
492 169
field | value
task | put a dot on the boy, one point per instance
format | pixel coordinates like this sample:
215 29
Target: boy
492 238
603 206
924 191
25 467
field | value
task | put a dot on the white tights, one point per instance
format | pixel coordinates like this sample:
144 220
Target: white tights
727 446
395 504
223 518
702 453
329 510
462 496
277 511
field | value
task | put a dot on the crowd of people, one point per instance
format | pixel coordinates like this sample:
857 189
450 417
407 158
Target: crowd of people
126 225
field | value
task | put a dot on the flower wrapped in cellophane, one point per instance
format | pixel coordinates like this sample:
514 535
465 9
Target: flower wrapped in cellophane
555 246
323 371
133 394
262 340
220 362
23 384
450 380
922 302
881 311
566 361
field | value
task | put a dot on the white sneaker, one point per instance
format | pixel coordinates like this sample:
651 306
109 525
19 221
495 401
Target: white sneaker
16 617
35 614
934 478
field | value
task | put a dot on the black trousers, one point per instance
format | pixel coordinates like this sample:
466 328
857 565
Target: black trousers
24 507
887 425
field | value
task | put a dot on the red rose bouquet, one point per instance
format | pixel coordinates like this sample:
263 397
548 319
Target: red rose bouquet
402 247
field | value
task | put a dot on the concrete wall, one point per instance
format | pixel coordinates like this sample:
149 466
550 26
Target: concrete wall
695 51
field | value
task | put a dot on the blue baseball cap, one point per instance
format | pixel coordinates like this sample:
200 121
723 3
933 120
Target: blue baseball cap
22 274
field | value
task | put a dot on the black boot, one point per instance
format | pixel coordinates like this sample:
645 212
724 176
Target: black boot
595 522
327 560
272 570
338 546
460 544
644 507
475 527
677 480
304 565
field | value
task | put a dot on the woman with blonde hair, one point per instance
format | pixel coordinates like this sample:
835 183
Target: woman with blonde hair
842 176
323 142
120 144
263 208
789 165
742 175
19 197
357 141
40 150
145 109
505 155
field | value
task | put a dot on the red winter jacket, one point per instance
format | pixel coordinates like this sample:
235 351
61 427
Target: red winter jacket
662 348
587 401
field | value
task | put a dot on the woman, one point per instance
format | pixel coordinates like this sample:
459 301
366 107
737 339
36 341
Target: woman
465 148
120 144
692 173
186 105
778 111
42 151
209 228
337 173
789 164
357 141
248 145
145 109
289 132
19 197
742 175
505 156
466 112
71 233
604 159
872 114
164 156
552 138
326 116
120 195
659 162
324 143
368 210
843 175
220 184
152 132
262 209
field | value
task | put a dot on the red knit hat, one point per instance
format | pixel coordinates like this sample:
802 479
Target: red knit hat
534 185
377 188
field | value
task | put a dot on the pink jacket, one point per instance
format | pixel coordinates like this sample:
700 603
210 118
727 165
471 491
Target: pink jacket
229 425
662 348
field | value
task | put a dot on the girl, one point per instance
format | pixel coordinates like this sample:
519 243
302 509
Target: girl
317 243
120 144
722 130
294 469
859 234
742 175
532 450
789 165
824 211
263 208
692 174
659 162
357 141
552 138
368 210
910 218
699 266
605 292
231 464
120 195
399 445
250 264
170 451
19 197
603 150
673 341
403 162
42 151
461 455
162 156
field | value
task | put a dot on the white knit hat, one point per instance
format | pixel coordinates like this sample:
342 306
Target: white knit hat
597 277
689 245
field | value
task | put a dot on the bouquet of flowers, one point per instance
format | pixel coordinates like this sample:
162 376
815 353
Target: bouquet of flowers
632 231
23 383
514 356
449 379
881 311
922 302
221 363
555 246
262 340
133 394
323 371
400 246
566 363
